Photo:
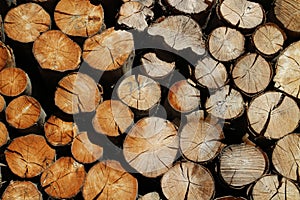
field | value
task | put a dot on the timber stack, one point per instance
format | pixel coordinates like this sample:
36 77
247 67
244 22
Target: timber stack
150 99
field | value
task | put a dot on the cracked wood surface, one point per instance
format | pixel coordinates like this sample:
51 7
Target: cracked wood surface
190 6
188 180
4 135
109 180
112 118
151 146
2 104
26 22
22 190
150 196
55 51
230 198
79 17
273 115
28 156
7 58
64 178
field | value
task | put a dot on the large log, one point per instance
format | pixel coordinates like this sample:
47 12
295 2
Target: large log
7 58
22 190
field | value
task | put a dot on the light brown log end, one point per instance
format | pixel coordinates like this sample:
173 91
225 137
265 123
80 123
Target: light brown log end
287 12
22 190
7 58
4 135
190 6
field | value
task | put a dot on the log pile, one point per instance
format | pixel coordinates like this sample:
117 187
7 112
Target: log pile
149 99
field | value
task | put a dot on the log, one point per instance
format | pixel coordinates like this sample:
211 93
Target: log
7 58
71 96
273 115
55 51
79 17
147 3
241 13
26 22
242 164
4 135
151 146
285 156
108 179
268 39
64 178
150 196
252 73
84 151
190 6
28 156
187 180
2 104
112 118
14 82
59 132
287 74
226 44
273 187
22 190
25 112
230 198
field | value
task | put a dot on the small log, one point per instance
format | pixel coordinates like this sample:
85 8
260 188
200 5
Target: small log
79 17
64 178
7 58
28 156
226 44
273 115
59 132
25 112
190 6
241 13
183 97
147 3
225 103
112 118
4 135
287 70
84 151
55 51
286 156
108 179
71 94
230 198
139 92
210 73
151 146
287 12
134 14
268 39
188 180
252 73
179 32
242 164
26 22
150 196
200 141
22 190
273 187
14 82
2 104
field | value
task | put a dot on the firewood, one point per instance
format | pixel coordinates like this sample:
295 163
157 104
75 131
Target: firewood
287 74
71 94
190 6
274 187
226 44
26 22
179 32
14 82
287 12
134 14
28 156
241 13
225 103
252 73
273 115
55 51
2 104
242 164
64 178
151 146
25 112
79 17
4 136
268 39
22 190
59 132
150 196
84 151
147 3
286 156
230 198
139 92
200 141
112 118
7 58
188 180
210 73
109 180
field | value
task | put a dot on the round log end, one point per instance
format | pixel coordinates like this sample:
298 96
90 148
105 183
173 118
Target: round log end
4 135
21 190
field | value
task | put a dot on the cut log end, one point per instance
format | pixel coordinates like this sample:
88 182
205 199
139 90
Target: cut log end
4 135
2 104
7 58
190 6
287 12
21 190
